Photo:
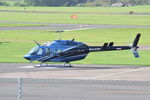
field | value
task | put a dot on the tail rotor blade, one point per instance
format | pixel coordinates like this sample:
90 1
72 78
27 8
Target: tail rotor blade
135 42
135 53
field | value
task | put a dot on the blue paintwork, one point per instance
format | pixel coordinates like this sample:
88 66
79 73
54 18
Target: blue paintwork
49 52
70 50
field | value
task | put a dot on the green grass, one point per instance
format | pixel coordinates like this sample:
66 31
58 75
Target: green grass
14 44
117 58
144 8
82 18
17 24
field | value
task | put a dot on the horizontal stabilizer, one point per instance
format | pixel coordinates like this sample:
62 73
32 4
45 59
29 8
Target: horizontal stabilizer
105 45
111 44
135 42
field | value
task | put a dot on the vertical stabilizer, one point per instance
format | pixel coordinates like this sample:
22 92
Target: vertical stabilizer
134 46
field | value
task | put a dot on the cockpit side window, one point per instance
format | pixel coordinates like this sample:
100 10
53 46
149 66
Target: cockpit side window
34 50
47 51
59 50
40 52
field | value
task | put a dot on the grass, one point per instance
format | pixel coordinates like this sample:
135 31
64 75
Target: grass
141 8
15 44
90 36
82 18
18 24
117 58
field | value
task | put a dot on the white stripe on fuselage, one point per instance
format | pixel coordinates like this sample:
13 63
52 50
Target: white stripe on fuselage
94 49
75 56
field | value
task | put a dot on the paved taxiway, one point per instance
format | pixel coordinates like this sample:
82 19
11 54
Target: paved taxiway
81 82
85 72
62 89
65 27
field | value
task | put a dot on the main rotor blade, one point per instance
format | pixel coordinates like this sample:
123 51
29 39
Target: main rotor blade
37 43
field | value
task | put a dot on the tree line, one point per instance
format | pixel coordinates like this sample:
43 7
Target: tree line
84 3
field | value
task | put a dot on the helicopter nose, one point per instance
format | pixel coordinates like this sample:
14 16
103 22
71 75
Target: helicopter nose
27 57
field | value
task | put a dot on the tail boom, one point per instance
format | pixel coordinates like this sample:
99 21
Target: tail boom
110 47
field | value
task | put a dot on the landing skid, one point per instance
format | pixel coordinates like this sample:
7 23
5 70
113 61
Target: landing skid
42 65
67 64
45 64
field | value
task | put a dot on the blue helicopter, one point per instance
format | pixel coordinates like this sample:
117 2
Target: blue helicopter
70 50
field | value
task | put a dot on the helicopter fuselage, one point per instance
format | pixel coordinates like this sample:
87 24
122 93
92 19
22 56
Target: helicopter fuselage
70 50
58 51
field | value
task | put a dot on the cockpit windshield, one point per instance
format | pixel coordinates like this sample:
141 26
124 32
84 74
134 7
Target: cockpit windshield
34 50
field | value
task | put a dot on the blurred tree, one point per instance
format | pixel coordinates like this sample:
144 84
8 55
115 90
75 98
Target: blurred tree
3 3
76 2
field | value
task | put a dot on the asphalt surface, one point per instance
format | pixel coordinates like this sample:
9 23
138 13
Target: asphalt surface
66 27
81 82
63 89
82 72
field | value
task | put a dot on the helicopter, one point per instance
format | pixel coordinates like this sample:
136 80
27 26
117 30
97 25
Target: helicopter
70 50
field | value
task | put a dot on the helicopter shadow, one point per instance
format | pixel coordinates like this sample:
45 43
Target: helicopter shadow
88 67
93 67
50 66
